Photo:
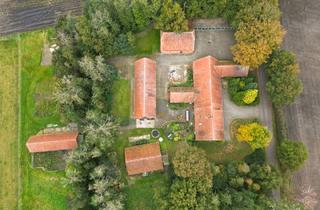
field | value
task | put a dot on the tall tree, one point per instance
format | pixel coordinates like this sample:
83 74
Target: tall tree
172 17
283 85
255 42
92 168
292 154
191 162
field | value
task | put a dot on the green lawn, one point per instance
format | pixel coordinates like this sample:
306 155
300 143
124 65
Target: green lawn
141 191
121 101
41 190
147 42
223 152
9 93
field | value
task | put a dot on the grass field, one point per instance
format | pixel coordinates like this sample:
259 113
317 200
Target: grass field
223 152
9 163
121 101
21 55
41 190
147 42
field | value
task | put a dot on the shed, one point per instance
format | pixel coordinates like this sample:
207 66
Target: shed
143 158
52 142
177 43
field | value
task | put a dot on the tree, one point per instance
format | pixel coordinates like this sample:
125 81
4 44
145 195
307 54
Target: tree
255 42
191 162
172 17
189 194
259 10
266 176
144 12
65 58
283 85
254 134
292 154
92 169
204 8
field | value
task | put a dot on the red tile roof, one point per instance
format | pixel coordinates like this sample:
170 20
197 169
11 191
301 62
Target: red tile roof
52 142
144 89
143 158
175 43
181 95
208 105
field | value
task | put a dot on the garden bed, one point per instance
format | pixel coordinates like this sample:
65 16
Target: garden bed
235 125
50 161
180 131
243 91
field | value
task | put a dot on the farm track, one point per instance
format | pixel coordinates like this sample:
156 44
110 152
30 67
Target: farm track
19 16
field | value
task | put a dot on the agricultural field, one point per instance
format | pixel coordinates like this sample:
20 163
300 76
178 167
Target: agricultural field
19 16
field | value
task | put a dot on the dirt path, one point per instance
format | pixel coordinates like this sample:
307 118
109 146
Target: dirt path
301 20
18 16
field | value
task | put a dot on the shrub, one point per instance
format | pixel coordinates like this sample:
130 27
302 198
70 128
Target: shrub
250 96
256 135
292 154
239 87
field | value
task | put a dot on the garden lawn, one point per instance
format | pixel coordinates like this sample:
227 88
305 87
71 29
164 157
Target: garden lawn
9 160
41 190
224 152
121 101
141 191
147 42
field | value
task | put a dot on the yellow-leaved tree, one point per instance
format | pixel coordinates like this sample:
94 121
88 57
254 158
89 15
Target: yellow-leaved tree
255 42
256 135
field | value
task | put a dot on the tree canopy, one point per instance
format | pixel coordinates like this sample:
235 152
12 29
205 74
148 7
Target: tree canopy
255 42
292 154
256 135
283 85
172 17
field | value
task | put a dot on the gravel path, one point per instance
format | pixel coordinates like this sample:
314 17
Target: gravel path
26 15
301 20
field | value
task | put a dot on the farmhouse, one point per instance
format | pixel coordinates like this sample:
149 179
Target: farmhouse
143 158
175 43
207 96
52 142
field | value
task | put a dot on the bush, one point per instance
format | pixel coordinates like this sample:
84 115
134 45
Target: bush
256 135
250 96
241 89
292 154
